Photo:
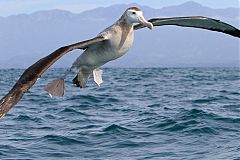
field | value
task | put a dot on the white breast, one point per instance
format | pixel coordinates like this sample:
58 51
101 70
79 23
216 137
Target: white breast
120 42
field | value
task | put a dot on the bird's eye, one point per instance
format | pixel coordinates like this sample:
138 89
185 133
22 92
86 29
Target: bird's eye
133 12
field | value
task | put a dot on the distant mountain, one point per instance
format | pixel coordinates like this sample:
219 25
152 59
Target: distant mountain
26 38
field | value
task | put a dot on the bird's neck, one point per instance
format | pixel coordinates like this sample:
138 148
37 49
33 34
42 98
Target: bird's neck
123 23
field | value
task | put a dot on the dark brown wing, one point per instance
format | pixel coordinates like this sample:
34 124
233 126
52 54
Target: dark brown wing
35 71
196 22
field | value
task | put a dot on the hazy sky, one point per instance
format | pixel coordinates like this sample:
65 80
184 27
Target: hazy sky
10 7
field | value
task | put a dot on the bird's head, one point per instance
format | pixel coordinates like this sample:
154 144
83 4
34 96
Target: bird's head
135 15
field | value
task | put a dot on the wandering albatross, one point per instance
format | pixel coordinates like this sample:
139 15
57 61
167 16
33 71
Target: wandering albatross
110 44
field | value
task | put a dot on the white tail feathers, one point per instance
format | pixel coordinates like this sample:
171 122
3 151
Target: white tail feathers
97 76
55 88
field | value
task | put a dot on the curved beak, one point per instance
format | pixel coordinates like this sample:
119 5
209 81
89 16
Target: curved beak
144 22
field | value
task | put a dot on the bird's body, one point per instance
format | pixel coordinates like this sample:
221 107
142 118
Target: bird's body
119 37
110 44
119 40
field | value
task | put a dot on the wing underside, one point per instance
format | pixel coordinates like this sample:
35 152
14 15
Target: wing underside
35 71
195 22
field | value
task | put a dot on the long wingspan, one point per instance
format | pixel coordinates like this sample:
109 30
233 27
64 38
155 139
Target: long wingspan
35 71
196 22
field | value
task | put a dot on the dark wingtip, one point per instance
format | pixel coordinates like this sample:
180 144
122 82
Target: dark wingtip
235 33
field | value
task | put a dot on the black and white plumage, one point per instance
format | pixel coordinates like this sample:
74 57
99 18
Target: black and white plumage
113 42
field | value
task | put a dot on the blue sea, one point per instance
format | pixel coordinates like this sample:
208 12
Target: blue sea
136 114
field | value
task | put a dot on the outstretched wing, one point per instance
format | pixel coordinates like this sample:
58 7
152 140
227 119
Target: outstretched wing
35 71
196 22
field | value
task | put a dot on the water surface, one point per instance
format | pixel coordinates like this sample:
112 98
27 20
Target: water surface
148 113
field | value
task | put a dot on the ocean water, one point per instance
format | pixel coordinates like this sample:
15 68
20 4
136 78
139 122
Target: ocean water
142 114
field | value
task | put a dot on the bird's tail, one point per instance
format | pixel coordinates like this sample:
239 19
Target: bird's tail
56 87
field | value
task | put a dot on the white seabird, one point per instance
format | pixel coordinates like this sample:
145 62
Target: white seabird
110 44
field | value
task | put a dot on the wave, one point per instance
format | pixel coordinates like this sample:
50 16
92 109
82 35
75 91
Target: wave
70 111
28 118
115 128
61 140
